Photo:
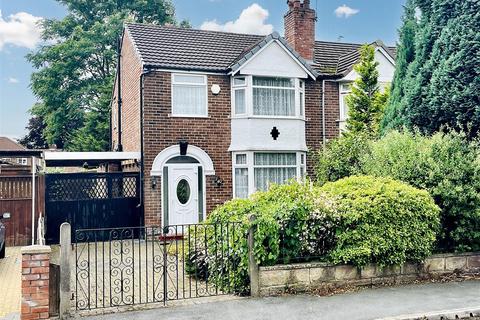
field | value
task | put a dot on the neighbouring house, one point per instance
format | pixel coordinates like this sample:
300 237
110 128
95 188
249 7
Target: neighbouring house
221 115
7 144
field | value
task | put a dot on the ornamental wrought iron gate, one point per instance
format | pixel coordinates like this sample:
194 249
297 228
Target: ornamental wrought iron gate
141 265
91 200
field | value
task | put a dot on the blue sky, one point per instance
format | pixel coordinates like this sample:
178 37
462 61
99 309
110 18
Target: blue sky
352 20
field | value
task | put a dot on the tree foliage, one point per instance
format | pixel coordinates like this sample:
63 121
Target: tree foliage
76 67
441 84
405 56
366 102
34 138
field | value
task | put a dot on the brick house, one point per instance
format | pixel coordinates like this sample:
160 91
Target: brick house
219 115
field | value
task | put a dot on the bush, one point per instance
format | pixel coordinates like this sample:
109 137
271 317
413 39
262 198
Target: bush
448 166
382 221
282 232
340 158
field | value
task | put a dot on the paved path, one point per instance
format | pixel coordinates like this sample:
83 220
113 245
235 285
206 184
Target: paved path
365 304
10 283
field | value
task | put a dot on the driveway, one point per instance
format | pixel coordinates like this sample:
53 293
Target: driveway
362 305
10 283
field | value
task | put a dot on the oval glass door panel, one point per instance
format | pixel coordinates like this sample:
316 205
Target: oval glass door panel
183 191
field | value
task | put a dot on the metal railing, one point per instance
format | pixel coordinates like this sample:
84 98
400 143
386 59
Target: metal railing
129 266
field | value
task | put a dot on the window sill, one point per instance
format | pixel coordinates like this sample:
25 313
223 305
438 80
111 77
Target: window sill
187 116
268 117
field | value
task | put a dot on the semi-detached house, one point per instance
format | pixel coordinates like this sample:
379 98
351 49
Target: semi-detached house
221 115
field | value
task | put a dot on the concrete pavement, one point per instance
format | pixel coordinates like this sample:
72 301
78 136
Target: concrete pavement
366 304
10 283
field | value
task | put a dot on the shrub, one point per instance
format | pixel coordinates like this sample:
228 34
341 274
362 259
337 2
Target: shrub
282 231
448 166
382 221
340 158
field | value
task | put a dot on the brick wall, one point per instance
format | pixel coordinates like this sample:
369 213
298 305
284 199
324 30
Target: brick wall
35 282
131 69
211 134
299 24
313 113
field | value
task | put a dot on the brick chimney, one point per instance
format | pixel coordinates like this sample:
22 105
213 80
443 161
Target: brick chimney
299 24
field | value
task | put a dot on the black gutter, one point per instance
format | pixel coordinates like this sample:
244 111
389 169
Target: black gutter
119 95
21 153
142 165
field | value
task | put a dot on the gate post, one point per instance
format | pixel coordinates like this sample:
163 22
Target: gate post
252 263
65 277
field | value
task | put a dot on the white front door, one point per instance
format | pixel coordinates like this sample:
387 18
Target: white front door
182 194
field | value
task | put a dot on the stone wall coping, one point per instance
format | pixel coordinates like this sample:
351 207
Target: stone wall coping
297 266
35 249
454 254
309 265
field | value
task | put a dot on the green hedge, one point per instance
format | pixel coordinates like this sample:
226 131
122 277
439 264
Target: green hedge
356 220
382 221
446 165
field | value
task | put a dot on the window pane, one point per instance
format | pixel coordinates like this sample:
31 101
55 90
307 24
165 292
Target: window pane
240 101
273 102
241 159
239 81
189 100
275 159
273 82
189 79
343 106
241 183
302 107
266 176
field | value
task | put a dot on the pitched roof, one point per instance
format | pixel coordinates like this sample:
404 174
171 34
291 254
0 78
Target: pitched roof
181 48
9 144
172 47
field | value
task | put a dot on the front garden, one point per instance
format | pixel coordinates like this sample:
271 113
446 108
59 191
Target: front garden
388 201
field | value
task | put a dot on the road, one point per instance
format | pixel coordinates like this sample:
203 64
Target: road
362 305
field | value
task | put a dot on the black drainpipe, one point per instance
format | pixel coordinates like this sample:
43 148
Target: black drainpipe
142 166
119 95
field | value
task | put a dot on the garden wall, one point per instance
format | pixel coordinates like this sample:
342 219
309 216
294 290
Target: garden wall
311 276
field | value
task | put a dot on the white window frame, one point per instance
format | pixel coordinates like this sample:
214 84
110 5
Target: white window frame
248 86
204 84
250 155
343 93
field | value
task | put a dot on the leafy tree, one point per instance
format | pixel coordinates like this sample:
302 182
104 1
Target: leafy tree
441 85
76 67
34 138
366 102
405 56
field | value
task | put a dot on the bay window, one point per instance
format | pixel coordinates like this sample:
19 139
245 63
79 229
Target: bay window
255 171
268 96
189 95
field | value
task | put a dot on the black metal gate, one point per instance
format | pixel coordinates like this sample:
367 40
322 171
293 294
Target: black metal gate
91 200
155 265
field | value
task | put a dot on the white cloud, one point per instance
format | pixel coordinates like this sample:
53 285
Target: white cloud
20 29
12 80
345 11
251 20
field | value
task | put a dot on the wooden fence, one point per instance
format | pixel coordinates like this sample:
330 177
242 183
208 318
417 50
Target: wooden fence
16 198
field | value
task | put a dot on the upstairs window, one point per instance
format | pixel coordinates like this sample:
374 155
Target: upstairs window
268 97
345 90
273 96
189 95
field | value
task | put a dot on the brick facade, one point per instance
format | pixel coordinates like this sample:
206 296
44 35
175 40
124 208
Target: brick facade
35 282
299 23
211 134
131 69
